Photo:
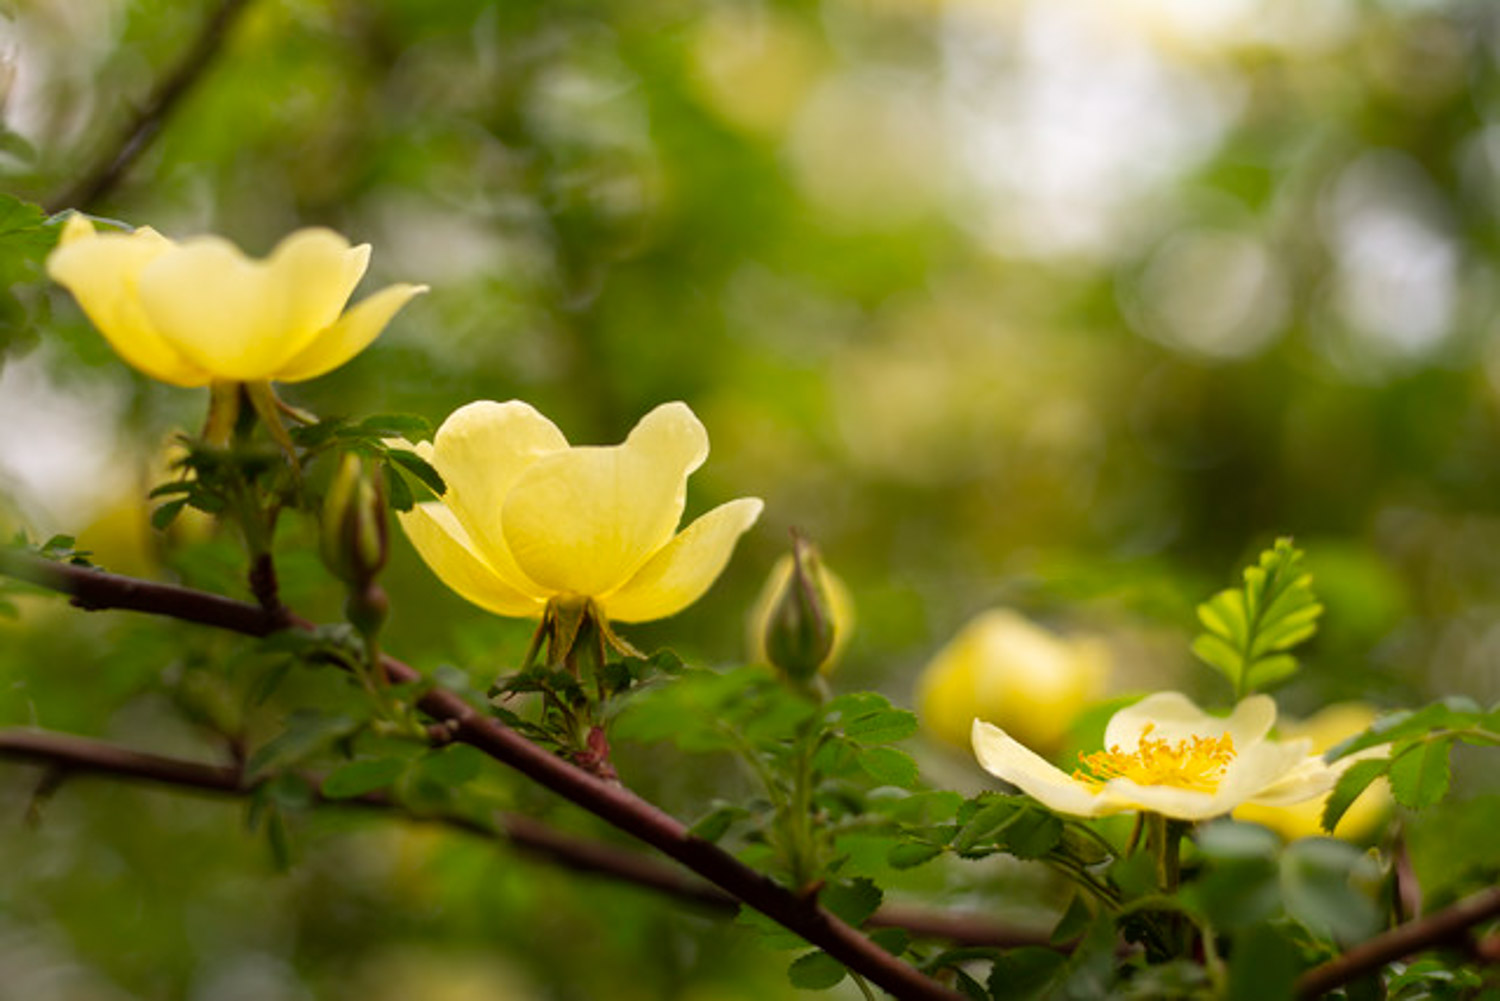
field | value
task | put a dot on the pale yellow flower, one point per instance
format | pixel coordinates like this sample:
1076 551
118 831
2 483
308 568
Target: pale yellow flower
527 518
1164 755
195 312
1325 728
1006 669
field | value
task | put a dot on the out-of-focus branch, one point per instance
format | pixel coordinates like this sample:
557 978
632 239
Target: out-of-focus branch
67 755
614 804
97 181
1448 926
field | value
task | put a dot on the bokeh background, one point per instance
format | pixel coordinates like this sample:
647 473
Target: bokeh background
1067 306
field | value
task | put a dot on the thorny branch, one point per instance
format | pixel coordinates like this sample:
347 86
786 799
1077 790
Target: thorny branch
69 755
1451 925
96 589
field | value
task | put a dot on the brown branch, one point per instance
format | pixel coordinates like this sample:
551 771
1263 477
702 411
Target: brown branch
98 181
614 804
1451 925
67 755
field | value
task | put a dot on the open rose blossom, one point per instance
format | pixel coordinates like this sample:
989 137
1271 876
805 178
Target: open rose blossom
528 519
200 311
1165 755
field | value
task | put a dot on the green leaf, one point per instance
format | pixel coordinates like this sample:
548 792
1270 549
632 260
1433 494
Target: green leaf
1264 964
1318 885
890 766
418 467
452 765
816 971
892 940
1248 630
853 901
1032 834
1232 841
163 516
278 840
982 824
1449 714
1355 780
1025 973
928 807
359 777
1074 921
398 491
395 426
772 935
971 988
717 823
307 732
882 727
911 855
1419 775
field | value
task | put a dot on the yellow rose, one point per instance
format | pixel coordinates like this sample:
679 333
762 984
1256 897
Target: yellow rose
1164 755
195 312
1004 668
527 518
1304 820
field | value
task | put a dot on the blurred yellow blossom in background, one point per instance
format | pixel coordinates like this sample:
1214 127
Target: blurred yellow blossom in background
1006 669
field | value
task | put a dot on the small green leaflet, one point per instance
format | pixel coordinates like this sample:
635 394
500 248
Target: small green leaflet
1419 775
1248 630
816 971
1355 780
362 776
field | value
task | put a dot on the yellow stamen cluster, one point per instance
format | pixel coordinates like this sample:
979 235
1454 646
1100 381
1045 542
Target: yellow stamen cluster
1196 763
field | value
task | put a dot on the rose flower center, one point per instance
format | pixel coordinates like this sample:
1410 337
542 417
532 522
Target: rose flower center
1196 763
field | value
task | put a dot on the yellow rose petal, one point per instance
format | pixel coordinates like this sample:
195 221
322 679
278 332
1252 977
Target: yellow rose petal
315 271
480 450
353 332
216 308
585 520
1004 757
102 271
1171 716
682 570
447 549
243 319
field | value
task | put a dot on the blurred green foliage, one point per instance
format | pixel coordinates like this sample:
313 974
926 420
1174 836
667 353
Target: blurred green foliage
1061 305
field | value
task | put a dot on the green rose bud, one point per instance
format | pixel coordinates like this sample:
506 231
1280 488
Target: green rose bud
355 543
803 615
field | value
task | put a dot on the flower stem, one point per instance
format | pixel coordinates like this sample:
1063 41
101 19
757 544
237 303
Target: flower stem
1164 839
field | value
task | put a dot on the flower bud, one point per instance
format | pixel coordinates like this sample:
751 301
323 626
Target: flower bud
803 617
1006 670
355 543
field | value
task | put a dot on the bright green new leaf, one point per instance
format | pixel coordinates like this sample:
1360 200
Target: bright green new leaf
1248 630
